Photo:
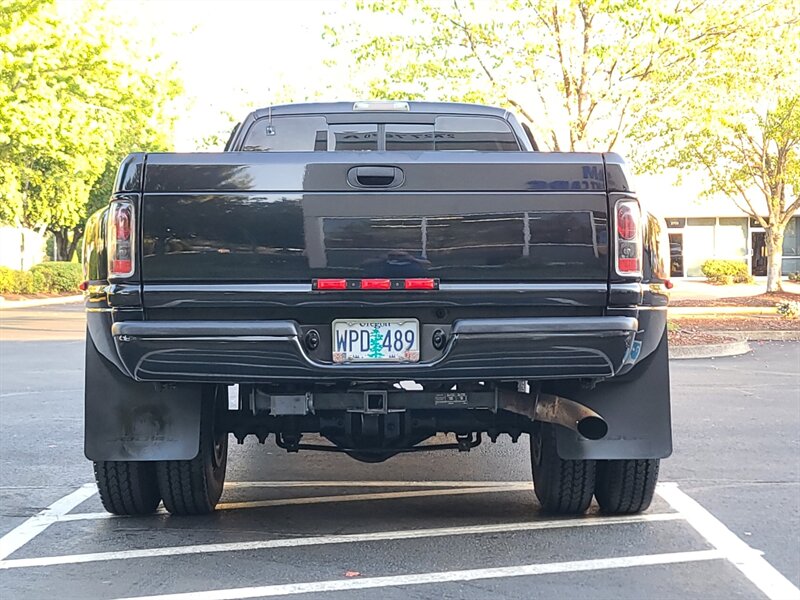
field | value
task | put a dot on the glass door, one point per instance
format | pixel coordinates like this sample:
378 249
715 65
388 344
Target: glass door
759 245
676 255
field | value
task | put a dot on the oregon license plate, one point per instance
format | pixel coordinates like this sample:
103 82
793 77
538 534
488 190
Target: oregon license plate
388 340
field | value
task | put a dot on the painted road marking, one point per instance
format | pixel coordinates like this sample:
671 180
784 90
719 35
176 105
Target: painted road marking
339 585
726 544
249 504
25 532
39 392
374 496
749 561
345 484
336 539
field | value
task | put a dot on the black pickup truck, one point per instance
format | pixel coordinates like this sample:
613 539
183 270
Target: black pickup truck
364 278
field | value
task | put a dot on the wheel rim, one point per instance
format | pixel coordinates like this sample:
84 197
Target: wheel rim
219 437
536 447
219 451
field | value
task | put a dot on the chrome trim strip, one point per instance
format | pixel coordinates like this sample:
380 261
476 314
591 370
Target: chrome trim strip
274 288
283 288
523 287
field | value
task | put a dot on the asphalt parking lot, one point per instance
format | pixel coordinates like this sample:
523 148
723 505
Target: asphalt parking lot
725 523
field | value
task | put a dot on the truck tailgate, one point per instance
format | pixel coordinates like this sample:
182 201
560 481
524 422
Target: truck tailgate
294 217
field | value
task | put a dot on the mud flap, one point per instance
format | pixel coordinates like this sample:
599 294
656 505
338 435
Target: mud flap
131 421
636 407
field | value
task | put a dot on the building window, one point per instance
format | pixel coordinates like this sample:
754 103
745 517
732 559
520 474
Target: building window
709 237
791 247
730 240
698 245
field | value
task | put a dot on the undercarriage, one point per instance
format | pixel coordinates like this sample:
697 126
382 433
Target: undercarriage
372 424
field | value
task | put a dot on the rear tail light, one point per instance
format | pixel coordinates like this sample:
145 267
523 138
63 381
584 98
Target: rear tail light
330 284
376 284
417 283
628 217
420 284
121 238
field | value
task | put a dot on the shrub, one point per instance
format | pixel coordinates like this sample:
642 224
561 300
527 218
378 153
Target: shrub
58 277
7 280
15 282
52 277
789 309
725 272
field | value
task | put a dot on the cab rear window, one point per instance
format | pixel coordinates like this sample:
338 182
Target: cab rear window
313 133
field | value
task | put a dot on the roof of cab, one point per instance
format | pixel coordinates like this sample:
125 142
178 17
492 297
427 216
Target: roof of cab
413 107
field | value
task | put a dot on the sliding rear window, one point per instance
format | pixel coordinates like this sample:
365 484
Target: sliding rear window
313 133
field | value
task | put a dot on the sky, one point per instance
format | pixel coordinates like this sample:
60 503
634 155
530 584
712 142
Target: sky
236 54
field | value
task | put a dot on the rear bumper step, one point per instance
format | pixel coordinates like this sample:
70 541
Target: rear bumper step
272 351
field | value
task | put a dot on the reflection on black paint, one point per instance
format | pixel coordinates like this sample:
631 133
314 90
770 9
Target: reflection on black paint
270 237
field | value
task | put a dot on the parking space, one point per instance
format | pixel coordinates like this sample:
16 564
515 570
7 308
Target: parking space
724 523
270 537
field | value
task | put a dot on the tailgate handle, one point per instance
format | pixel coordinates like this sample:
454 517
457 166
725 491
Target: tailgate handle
375 176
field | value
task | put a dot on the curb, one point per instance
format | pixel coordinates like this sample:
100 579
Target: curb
11 304
710 350
721 310
764 335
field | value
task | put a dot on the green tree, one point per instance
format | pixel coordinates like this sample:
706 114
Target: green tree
755 160
375 343
739 124
74 98
582 73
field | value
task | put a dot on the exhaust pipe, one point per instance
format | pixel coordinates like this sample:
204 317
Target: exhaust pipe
570 414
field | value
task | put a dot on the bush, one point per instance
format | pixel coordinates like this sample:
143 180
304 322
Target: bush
7 280
52 277
58 277
725 272
789 309
16 282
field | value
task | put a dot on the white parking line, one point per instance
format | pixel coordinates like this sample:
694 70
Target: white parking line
373 496
726 544
335 539
38 392
327 499
349 484
749 561
24 533
441 577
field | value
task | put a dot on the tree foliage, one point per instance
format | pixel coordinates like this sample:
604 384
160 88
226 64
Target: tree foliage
581 72
75 97
739 124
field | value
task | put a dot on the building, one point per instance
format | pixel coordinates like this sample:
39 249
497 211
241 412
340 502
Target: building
20 248
701 228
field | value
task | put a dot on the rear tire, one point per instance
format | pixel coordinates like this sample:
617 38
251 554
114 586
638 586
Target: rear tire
193 487
562 486
127 488
625 487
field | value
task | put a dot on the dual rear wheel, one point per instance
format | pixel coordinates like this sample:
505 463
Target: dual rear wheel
187 487
567 486
193 487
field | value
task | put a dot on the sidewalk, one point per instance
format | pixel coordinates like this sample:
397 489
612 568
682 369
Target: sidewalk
688 289
33 302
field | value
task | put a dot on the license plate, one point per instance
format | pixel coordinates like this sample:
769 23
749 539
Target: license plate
387 340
